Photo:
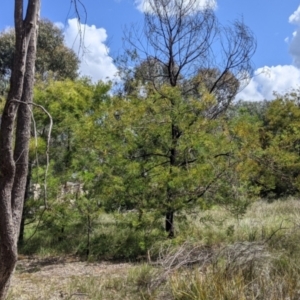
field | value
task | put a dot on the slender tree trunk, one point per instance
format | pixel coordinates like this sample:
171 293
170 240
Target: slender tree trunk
173 155
170 223
88 245
25 211
14 139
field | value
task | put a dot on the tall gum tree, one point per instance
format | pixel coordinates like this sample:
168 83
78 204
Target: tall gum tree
183 45
14 138
15 134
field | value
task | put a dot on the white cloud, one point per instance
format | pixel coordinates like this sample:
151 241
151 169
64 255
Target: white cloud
196 5
281 79
295 17
94 54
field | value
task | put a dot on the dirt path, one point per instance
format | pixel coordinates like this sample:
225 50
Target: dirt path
64 278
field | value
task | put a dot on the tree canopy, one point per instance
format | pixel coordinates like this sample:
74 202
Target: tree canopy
53 56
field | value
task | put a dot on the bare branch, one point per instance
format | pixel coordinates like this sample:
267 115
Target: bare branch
181 46
48 145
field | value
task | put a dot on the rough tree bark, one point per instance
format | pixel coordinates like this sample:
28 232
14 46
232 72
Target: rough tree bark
14 138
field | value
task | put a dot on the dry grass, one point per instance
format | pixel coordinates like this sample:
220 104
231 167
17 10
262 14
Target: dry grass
255 257
216 256
68 279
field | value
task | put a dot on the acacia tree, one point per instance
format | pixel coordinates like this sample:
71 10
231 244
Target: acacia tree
176 46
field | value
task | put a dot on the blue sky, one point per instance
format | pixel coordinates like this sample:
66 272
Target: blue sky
276 25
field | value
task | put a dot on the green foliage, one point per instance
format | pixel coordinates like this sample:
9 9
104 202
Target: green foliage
277 156
69 199
112 237
53 57
69 103
117 153
121 154
136 148
52 54
267 135
281 141
6 46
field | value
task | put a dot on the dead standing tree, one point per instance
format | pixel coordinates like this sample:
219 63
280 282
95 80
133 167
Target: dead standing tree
183 45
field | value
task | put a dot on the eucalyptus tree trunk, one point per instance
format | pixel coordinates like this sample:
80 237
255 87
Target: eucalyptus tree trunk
14 138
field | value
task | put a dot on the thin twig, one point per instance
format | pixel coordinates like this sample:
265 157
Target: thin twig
275 231
48 145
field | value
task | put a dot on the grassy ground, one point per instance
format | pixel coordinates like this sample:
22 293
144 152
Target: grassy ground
214 256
